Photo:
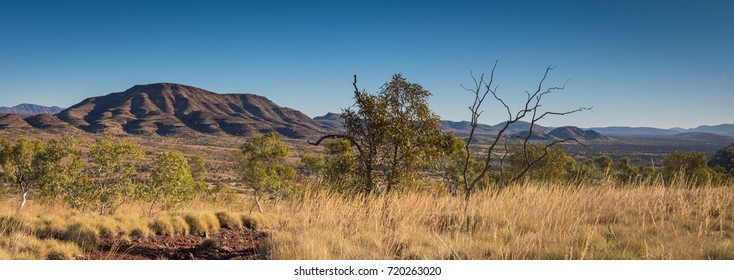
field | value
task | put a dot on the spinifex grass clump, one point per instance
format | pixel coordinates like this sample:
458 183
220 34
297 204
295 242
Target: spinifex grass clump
67 235
228 220
202 223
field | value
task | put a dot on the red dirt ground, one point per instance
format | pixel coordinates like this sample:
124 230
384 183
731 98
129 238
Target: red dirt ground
230 244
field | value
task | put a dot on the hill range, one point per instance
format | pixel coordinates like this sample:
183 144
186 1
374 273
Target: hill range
171 109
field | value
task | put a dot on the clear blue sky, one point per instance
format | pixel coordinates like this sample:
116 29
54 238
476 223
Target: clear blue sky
639 63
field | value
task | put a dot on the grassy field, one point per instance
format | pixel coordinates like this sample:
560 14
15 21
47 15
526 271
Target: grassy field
522 222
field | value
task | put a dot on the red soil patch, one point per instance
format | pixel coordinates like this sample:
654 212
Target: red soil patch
227 244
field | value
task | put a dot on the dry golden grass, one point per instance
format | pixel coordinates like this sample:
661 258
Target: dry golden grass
529 222
522 222
51 231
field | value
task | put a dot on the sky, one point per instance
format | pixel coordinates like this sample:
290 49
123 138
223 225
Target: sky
638 63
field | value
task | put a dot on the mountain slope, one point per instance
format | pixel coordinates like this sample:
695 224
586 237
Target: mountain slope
30 109
332 120
174 109
13 121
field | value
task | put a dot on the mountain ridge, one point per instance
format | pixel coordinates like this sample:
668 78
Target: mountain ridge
175 109
27 109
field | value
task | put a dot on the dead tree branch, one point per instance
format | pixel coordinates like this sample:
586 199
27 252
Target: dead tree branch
530 110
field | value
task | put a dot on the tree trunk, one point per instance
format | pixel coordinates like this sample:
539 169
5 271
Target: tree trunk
257 202
23 200
369 187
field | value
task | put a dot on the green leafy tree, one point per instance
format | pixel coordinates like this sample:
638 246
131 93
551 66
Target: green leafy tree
595 170
64 175
689 166
451 161
221 193
171 183
392 131
198 173
413 130
551 164
603 164
648 173
20 162
626 173
112 171
312 165
340 165
261 166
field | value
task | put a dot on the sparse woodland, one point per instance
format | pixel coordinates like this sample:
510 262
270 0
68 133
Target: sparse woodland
392 185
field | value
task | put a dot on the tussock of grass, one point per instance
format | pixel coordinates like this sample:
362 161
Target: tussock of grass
84 235
202 223
228 220
20 246
135 226
162 226
35 234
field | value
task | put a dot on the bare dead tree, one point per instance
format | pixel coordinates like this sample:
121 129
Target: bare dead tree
530 111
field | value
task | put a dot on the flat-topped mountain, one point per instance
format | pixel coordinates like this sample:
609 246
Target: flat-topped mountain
172 109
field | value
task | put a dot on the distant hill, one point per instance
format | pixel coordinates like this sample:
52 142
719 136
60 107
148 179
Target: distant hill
30 109
564 132
705 137
722 129
46 121
175 109
521 126
578 133
332 120
9 121
627 131
464 127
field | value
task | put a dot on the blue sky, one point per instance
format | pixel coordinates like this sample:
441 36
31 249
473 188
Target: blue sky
638 63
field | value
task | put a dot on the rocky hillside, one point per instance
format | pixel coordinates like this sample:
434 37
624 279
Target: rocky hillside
175 109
